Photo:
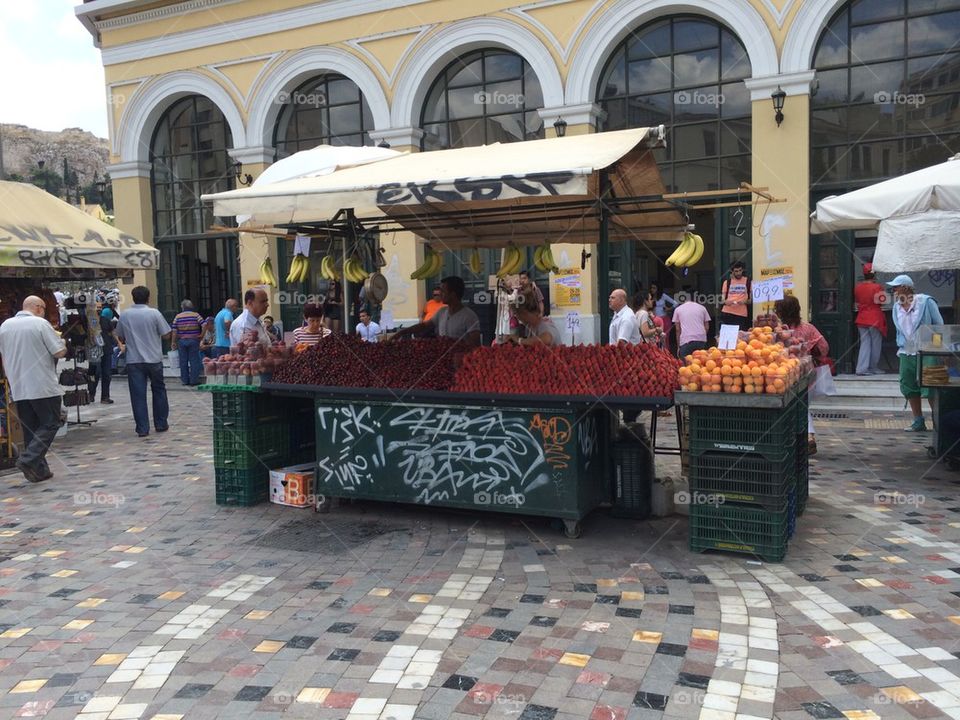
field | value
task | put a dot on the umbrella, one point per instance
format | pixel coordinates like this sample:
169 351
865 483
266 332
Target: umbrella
917 216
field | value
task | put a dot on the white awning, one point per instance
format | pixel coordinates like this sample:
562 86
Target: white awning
418 189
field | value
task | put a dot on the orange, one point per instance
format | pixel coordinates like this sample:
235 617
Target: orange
715 378
734 389
715 388
771 390
748 389
725 369
757 371
710 365
693 386
779 385
727 380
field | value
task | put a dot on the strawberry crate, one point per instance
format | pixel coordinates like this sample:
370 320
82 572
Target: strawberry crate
740 529
242 487
764 431
263 445
745 478
241 412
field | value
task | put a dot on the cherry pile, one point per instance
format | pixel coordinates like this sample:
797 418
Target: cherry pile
346 361
594 370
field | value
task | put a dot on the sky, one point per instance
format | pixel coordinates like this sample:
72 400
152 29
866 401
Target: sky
51 75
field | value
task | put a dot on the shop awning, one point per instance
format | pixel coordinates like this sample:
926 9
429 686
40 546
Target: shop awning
917 217
42 232
486 195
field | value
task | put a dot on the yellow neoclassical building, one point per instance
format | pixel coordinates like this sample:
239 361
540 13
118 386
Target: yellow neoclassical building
203 93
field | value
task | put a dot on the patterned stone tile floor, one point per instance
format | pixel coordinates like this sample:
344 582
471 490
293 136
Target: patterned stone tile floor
125 592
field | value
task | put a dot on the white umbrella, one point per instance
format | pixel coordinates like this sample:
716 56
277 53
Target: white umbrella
917 216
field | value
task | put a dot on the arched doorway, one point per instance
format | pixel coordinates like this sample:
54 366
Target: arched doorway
188 157
886 102
685 72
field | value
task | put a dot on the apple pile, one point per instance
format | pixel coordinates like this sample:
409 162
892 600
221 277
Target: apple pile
591 370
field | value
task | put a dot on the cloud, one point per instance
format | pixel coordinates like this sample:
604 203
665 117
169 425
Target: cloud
53 76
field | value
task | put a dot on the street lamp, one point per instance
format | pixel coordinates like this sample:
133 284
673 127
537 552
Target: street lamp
778 96
244 179
560 126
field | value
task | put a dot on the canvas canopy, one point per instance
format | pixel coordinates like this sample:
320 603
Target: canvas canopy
917 217
488 195
40 231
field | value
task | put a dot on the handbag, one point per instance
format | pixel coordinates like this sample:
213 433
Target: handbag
822 384
95 354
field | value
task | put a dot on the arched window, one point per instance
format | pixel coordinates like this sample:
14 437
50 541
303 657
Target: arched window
483 97
329 109
686 73
886 103
188 156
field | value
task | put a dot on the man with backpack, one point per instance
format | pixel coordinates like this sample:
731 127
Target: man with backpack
736 298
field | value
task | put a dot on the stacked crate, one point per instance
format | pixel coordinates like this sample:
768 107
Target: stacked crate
255 432
744 464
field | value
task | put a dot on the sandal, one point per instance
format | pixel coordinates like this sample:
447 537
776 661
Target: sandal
811 447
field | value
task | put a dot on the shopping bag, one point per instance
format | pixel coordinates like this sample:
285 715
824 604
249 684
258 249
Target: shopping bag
822 384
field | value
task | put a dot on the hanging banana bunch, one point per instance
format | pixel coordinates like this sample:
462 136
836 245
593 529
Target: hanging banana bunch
543 259
476 265
353 270
688 252
512 259
328 271
267 276
299 269
432 265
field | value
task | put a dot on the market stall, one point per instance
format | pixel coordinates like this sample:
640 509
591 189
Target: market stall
939 369
44 243
521 430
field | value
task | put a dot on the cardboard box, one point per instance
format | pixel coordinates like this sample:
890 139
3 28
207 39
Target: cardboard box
292 485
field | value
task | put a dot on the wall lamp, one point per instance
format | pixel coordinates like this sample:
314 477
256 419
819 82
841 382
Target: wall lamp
244 179
778 96
560 126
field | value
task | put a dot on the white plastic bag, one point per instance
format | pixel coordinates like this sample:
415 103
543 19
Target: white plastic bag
822 384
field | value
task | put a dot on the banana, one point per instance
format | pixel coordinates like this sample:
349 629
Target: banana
697 253
267 276
511 261
354 270
437 264
538 258
681 250
476 266
546 258
421 271
294 269
691 247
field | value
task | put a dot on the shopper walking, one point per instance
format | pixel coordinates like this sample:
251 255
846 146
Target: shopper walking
692 321
649 330
663 306
624 327
221 325
871 323
109 317
143 329
911 311
736 293
187 332
30 349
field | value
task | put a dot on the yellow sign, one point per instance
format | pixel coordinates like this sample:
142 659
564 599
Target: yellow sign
567 287
785 272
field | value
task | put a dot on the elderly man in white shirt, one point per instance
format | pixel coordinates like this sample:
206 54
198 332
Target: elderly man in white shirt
624 327
30 348
255 304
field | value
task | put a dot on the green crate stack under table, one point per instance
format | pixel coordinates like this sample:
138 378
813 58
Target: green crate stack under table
746 459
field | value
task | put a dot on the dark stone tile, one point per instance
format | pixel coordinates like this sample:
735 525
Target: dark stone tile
865 610
459 682
342 628
543 621
656 589
253 693
338 603
386 636
813 577
585 587
542 552
74 698
301 642
846 677
823 710
497 612
346 654
63 592
698 580
319 585
538 712
607 599
681 609
671 575
694 681
847 558
35 576
507 636
141 599
62 679
650 701
672 649
530 598
846 568
192 691
629 612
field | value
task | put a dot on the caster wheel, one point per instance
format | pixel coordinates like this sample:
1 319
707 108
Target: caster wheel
572 529
931 453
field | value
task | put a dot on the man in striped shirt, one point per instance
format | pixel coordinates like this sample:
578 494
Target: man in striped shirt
187 331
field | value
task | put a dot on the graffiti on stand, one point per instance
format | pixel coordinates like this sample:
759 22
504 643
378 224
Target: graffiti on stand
62 251
555 433
508 186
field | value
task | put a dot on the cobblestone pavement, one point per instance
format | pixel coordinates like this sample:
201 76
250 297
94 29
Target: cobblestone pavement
127 592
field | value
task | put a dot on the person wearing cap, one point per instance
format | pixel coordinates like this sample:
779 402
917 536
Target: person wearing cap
911 311
871 323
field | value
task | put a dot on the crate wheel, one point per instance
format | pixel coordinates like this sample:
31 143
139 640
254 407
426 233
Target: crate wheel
932 453
572 529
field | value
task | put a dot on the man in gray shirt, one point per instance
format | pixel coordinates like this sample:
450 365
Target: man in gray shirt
454 321
30 348
143 329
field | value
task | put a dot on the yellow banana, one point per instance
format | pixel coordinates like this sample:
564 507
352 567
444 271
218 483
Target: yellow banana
476 266
690 248
538 258
436 266
511 261
698 251
427 263
546 259
681 250
294 269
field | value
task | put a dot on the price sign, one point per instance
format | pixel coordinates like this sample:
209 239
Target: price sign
768 290
301 245
386 320
728 337
573 322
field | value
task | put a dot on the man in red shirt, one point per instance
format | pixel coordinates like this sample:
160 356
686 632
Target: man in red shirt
871 323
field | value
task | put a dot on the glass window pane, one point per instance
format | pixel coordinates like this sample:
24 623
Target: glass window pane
735 137
735 100
919 6
735 170
874 161
877 42
505 128
650 110
435 108
870 10
534 125
465 102
310 123
467 133
701 175
614 82
933 33
833 48
367 115
652 42
828 127
930 151
735 63
696 68
616 111
503 97
342 91
866 122
469 74
831 88
532 94
499 66
696 141
829 165
345 119
650 75
876 82
435 136
696 104
694 35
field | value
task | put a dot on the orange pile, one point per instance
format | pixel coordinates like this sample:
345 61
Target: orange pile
757 366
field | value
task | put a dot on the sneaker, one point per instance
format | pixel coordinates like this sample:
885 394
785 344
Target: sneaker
918 425
106 401
30 473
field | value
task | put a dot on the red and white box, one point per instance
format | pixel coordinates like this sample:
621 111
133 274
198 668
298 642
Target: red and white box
292 485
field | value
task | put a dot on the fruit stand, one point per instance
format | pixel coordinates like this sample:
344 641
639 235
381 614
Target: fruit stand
939 374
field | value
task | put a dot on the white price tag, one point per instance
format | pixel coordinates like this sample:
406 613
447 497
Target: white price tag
728 337
386 320
301 245
768 290
573 322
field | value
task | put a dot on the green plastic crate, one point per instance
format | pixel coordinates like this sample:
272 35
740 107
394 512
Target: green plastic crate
745 478
633 473
803 473
742 430
740 529
266 444
242 487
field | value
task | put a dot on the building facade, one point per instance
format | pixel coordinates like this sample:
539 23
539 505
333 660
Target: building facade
196 86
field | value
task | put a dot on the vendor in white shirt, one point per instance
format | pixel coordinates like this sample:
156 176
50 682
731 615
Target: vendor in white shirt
366 328
624 327
255 304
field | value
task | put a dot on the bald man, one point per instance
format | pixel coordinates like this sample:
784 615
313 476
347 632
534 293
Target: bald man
255 304
624 327
30 348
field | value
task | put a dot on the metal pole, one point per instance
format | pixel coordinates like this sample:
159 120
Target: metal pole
603 259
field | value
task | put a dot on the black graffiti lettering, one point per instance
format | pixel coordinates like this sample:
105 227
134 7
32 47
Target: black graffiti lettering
392 194
479 189
129 240
428 192
59 257
467 189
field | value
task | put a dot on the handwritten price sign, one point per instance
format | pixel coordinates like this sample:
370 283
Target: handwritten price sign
768 290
